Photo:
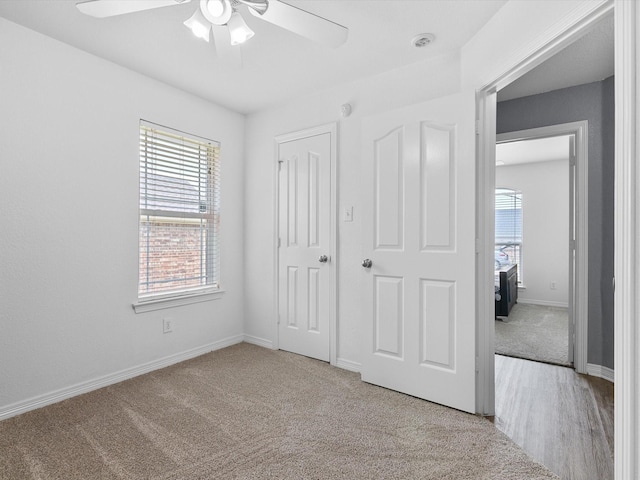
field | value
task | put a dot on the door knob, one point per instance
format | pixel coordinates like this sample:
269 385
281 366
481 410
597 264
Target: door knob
323 259
366 263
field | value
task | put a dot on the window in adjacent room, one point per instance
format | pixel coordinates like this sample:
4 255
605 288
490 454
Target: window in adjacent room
508 247
179 213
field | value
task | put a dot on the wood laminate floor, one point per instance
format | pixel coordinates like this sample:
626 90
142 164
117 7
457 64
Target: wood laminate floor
560 418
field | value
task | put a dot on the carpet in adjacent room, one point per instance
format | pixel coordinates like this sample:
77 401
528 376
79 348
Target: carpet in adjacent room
535 332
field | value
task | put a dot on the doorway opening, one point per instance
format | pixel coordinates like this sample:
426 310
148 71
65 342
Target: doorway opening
490 125
538 226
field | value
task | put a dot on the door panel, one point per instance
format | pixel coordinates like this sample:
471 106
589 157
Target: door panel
304 231
389 182
389 316
418 170
437 323
437 165
292 297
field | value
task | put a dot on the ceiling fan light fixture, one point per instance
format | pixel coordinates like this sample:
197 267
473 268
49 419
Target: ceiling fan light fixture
215 7
217 12
238 29
198 25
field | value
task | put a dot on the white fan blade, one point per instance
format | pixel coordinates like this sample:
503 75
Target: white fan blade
227 53
111 8
301 22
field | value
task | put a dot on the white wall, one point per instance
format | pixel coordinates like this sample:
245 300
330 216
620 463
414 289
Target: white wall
545 236
516 30
69 219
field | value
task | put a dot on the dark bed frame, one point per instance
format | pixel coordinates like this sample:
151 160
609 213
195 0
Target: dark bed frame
506 290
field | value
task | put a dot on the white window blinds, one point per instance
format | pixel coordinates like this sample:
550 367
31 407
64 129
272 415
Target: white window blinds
508 208
508 216
179 212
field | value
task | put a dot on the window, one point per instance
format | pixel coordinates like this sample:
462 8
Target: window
508 247
179 213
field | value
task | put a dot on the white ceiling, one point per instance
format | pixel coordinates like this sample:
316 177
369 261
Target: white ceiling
533 151
278 65
589 59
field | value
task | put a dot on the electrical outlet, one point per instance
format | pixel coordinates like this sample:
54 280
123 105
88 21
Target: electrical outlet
552 285
167 325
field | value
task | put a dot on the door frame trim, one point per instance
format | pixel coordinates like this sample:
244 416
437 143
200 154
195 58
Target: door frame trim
332 130
549 43
579 292
627 249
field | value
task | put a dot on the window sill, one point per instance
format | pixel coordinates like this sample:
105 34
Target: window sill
159 303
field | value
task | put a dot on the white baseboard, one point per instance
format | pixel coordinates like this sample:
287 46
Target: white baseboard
600 371
100 382
544 303
348 365
261 342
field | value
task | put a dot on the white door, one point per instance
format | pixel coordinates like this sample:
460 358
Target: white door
304 256
419 237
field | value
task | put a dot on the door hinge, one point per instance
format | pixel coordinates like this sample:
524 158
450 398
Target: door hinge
279 242
477 127
280 162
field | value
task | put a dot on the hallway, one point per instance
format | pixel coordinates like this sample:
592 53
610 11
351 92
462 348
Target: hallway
562 419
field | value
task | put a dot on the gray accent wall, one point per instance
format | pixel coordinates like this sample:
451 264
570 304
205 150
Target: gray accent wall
593 102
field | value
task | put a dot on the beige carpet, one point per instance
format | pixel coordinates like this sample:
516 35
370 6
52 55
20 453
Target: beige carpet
250 413
535 332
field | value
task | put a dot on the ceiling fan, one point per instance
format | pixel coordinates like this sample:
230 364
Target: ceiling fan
223 18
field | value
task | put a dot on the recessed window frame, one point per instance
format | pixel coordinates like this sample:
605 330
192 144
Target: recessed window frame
515 238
